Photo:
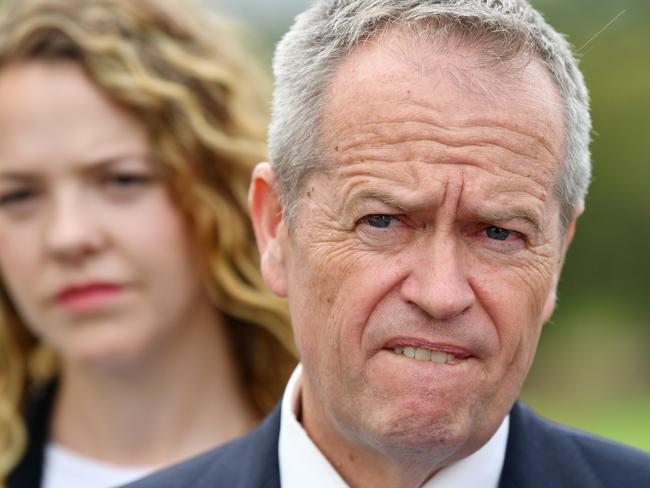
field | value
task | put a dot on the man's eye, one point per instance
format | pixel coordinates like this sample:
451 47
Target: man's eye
380 221
16 197
497 233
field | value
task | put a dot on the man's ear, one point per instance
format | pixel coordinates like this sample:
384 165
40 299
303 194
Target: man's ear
551 299
270 231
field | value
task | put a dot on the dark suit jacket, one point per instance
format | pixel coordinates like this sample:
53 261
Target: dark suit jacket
540 454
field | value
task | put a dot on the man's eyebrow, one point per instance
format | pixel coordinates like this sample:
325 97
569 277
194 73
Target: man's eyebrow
400 204
409 205
510 214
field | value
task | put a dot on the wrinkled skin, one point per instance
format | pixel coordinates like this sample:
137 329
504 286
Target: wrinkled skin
435 224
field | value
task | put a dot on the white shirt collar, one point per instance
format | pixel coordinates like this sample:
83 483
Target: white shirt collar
302 464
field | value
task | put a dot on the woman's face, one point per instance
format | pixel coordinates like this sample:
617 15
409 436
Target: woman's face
93 252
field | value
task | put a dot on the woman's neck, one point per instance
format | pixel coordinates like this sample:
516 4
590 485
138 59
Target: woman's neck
184 398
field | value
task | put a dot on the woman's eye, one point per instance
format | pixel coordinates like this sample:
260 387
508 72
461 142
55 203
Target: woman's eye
379 221
16 197
126 185
497 233
126 180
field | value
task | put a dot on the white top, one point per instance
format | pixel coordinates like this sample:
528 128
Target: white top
66 469
302 464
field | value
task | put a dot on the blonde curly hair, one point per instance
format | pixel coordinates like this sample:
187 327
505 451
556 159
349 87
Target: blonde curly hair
184 75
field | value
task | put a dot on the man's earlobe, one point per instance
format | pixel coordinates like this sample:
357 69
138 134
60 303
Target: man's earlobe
270 231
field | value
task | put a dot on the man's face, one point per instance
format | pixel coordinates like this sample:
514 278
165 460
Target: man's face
421 266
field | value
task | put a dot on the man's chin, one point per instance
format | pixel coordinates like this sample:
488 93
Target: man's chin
418 426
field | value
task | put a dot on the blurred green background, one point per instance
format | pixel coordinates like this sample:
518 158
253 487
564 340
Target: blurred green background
593 366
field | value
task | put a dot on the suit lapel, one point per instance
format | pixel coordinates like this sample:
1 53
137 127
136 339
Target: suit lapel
520 466
540 454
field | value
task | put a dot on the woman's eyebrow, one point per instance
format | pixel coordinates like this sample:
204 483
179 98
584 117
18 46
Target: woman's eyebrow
101 164
89 165
18 176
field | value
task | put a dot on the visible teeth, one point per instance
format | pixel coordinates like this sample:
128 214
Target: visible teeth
438 357
421 354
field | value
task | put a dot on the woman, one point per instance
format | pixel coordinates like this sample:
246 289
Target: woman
135 329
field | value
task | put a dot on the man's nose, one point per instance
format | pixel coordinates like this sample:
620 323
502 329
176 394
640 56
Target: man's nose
72 231
438 282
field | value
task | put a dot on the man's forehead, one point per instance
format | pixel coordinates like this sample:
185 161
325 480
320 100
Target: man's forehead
382 96
385 70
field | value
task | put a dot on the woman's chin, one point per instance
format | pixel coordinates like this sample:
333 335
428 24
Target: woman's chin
104 351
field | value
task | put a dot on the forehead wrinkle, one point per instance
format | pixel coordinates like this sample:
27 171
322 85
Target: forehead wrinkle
405 187
400 203
431 152
505 188
407 97
394 185
399 187
402 114
353 142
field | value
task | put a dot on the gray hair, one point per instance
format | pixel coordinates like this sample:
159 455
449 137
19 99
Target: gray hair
323 36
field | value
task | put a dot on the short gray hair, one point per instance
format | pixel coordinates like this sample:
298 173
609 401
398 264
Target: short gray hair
323 36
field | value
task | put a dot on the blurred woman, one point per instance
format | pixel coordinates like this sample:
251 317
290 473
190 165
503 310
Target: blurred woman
135 329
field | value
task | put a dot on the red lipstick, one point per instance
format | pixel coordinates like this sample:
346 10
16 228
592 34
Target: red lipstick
87 296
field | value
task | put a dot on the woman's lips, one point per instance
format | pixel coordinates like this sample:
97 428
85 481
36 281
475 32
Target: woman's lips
87 297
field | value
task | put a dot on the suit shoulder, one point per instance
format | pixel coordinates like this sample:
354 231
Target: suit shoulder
605 462
607 457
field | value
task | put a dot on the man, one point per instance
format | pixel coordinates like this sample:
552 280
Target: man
429 160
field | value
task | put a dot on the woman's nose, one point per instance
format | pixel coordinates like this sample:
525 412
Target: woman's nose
72 231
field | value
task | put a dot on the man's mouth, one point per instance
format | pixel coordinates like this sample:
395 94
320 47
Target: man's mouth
422 354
